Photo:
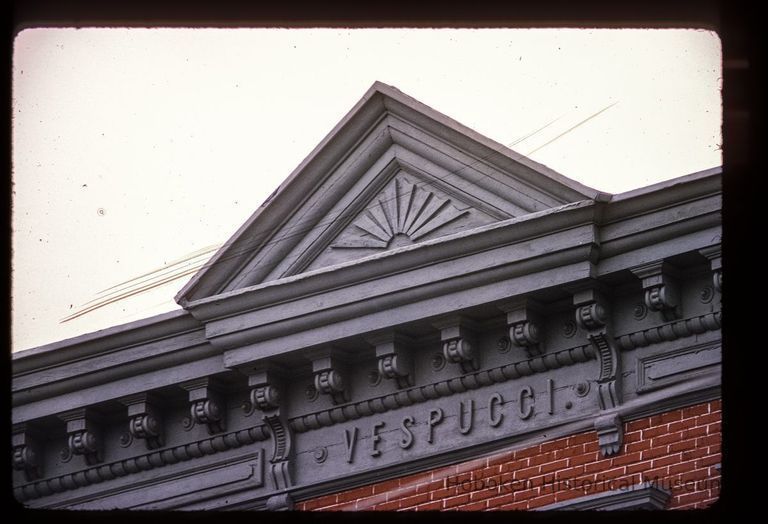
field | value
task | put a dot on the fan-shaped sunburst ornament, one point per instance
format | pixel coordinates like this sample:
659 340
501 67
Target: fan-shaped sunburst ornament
402 209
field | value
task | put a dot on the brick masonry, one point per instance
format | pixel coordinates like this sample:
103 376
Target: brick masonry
680 449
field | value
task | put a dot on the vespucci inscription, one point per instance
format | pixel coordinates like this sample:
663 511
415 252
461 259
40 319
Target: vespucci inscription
467 416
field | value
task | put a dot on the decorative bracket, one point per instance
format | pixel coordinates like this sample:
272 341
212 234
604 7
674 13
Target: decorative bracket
266 386
592 316
329 375
459 342
610 434
144 419
394 357
524 320
713 253
25 452
282 451
206 404
662 291
266 382
83 435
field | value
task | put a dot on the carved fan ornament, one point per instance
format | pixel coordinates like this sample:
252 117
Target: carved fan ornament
402 209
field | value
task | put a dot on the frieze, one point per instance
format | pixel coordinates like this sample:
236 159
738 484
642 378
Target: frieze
419 394
464 417
497 415
147 461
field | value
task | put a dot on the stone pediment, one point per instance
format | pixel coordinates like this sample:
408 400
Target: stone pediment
392 173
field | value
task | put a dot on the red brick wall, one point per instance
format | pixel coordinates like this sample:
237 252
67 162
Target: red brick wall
679 448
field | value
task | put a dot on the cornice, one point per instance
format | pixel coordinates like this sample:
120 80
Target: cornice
449 247
105 341
145 462
673 192
408 108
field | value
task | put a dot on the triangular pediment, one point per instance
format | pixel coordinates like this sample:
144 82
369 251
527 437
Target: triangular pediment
393 172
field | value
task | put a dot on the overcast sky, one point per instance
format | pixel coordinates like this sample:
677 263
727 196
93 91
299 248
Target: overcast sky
134 148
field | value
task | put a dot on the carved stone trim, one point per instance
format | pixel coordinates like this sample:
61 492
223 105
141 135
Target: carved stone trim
147 461
523 318
265 397
25 452
282 451
83 435
662 291
329 372
443 388
610 434
267 384
403 208
144 419
393 356
459 342
592 315
608 381
206 404
670 331
661 369
714 255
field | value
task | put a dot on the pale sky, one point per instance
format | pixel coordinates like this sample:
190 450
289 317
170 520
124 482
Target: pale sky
134 148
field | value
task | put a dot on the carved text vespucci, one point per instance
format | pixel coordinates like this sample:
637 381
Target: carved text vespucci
497 409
